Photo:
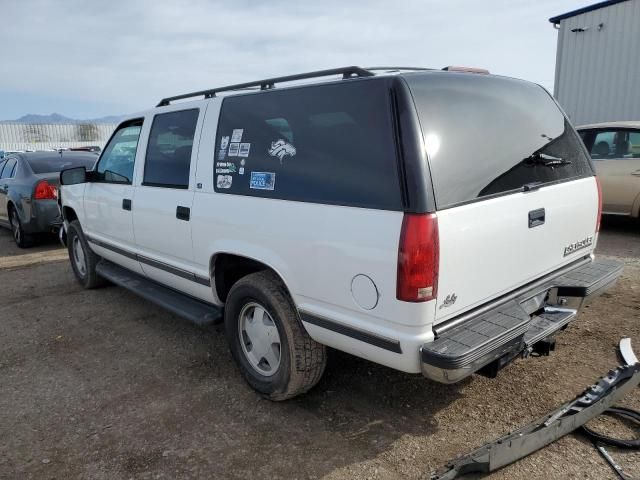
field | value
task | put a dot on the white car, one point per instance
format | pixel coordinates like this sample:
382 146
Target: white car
432 221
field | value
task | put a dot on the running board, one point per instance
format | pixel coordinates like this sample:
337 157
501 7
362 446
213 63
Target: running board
189 308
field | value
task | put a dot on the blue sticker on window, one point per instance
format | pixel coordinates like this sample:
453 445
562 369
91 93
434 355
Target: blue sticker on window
262 180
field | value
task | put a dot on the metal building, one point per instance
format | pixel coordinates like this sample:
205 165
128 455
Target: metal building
598 62
38 136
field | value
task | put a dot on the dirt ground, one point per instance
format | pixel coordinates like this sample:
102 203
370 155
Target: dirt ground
103 385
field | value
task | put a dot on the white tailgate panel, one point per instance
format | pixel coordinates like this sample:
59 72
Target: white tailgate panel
488 249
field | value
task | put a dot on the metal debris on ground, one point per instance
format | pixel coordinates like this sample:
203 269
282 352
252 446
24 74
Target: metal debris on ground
595 400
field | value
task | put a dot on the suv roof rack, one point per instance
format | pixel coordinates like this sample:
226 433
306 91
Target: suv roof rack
269 83
397 69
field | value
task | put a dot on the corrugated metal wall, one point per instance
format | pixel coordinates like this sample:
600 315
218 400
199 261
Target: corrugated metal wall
598 70
22 136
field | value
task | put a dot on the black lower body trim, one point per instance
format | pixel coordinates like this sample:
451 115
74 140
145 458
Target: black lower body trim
366 337
151 262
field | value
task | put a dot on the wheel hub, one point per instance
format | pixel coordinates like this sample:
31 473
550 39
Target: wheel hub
260 339
15 226
78 256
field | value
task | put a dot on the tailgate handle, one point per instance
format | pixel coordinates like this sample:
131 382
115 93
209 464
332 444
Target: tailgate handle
126 204
536 217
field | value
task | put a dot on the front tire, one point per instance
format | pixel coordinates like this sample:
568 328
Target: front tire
275 354
83 260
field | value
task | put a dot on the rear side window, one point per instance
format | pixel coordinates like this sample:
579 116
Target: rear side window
331 144
613 144
7 171
168 159
490 135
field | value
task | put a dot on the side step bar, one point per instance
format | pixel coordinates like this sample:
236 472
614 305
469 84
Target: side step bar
196 311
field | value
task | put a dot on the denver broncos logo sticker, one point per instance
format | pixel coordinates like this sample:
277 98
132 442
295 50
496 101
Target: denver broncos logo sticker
281 149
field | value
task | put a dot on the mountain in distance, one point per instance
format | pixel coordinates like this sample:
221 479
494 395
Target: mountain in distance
57 118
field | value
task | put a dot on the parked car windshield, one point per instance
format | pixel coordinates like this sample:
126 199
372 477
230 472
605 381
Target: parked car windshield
52 162
488 135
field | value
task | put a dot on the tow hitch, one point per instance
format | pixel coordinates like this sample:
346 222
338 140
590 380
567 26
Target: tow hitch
570 416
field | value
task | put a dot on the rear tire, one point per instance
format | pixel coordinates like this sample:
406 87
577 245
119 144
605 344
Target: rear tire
83 260
22 240
275 354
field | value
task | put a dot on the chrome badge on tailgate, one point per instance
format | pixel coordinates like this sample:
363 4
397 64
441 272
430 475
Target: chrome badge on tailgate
574 247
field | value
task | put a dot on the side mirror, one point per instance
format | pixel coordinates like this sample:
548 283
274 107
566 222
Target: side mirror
73 176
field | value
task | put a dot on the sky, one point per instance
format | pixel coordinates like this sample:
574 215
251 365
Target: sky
86 59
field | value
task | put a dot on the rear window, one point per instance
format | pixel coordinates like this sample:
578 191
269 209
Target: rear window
330 144
489 135
57 162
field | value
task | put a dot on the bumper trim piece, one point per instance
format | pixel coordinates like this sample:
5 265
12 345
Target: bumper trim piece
592 402
627 352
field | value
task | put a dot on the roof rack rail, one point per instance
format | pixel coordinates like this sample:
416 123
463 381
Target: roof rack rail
399 68
269 83
453 68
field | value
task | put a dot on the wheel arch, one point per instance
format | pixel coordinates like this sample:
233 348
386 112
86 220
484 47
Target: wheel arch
227 268
12 204
69 214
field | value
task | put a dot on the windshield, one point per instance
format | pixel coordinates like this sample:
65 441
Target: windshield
488 135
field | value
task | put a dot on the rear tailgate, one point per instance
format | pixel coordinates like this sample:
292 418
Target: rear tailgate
514 189
487 248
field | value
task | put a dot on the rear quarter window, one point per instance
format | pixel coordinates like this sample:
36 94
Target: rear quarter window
488 135
331 144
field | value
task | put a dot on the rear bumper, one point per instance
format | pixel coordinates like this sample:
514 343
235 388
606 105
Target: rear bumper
514 326
45 217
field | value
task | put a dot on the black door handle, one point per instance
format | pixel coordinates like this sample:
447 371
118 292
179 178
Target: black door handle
183 213
126 204
536 217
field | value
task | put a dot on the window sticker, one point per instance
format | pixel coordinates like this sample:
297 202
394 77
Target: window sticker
224 181
233 149
262 180
244 149
241 170
225 167
224 143
280 149
222 153
236 136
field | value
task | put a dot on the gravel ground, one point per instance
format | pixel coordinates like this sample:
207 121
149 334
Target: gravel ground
103 385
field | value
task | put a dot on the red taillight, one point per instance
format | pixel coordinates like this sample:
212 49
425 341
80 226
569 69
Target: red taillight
599 219
45 191
418 257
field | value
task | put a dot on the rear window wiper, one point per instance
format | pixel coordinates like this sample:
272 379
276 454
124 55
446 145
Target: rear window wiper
546 160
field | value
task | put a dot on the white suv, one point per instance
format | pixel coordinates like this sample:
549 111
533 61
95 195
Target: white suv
432 221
